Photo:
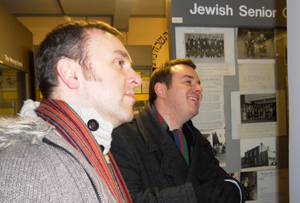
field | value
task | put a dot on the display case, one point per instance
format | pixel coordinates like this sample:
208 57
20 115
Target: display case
12 90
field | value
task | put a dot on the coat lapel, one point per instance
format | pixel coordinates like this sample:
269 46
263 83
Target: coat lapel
158 141
173 163
201 169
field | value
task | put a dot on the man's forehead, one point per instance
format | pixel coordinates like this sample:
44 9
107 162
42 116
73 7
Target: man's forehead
184 70
180 68
101 37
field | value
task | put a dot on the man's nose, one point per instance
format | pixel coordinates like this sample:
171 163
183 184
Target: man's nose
198 89
135 78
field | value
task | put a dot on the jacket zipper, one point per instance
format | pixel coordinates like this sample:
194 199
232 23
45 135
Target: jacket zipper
50 143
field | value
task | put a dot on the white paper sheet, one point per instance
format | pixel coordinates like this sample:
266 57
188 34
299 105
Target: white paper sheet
266 186
273 186
255 77
211 112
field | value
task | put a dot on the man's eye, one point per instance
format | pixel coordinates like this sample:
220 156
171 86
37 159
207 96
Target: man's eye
189 82
120 63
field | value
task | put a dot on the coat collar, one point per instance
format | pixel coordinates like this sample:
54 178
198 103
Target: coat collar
157 139
147 122
153 126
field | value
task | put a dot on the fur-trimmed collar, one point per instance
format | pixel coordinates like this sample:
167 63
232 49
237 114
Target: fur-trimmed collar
14 130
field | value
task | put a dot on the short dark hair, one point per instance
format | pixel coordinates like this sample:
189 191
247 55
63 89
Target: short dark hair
163 75
68 40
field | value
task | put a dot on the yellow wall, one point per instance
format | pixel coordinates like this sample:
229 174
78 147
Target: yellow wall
142 31
149 31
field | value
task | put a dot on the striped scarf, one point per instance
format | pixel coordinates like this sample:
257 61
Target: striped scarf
70 126
178 135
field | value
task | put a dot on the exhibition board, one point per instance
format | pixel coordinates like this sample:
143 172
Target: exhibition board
239 48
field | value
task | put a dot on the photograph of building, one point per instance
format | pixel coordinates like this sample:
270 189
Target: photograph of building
258 152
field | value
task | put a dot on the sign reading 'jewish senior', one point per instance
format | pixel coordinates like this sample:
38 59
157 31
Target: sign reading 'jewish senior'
265 13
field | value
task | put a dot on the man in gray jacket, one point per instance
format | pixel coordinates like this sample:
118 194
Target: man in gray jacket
58 150
161 155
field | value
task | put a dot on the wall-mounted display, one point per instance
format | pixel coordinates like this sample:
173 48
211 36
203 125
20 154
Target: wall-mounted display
246 46
211 49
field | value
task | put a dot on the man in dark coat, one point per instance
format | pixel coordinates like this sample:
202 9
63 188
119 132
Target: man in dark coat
161 155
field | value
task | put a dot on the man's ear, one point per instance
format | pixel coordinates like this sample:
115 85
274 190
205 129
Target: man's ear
160 90
66 71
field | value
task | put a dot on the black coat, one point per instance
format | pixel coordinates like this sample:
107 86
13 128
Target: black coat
154 168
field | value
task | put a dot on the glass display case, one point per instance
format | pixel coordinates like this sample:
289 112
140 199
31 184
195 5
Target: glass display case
12 90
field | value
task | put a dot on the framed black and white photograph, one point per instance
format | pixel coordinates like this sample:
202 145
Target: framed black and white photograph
211 49
205 48
257 108
218 143
255 43
259 154
249 184
255 114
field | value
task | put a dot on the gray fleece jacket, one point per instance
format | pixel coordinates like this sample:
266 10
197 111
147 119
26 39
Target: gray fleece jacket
34 171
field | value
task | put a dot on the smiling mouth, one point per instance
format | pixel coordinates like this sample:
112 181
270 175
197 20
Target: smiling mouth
193 98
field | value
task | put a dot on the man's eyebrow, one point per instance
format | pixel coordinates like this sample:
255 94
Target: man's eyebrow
191 77
122 53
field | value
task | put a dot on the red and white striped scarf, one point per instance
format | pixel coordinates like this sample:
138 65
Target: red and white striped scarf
66 121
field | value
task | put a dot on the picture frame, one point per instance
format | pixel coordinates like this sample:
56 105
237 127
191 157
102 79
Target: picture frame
255 44
209 58
259 122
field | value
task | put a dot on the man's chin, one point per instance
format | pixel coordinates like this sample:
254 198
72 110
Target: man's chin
125 119
129 118
195 113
